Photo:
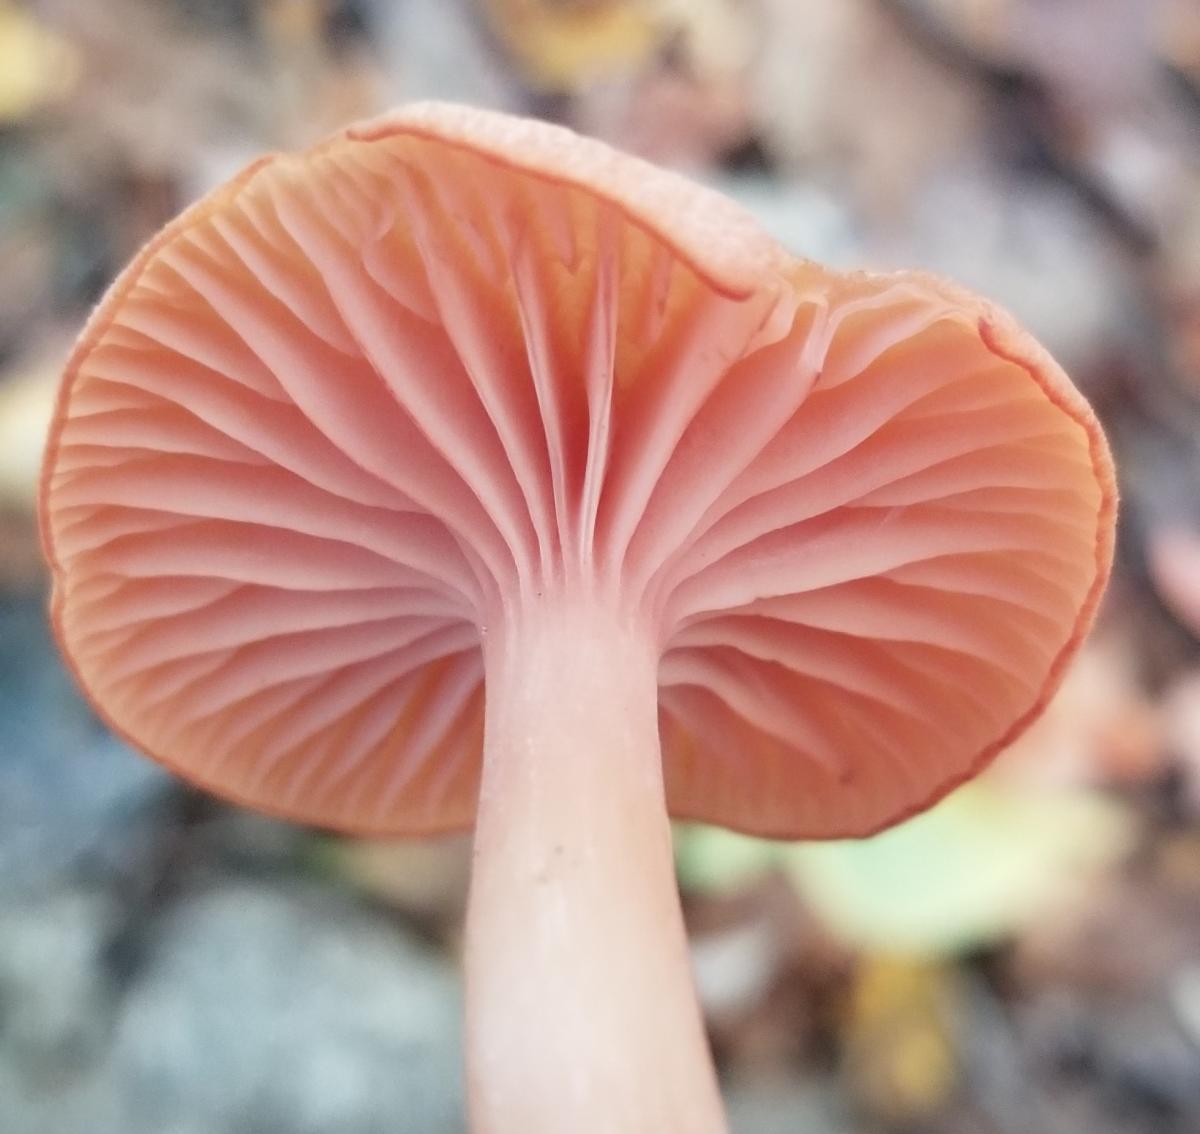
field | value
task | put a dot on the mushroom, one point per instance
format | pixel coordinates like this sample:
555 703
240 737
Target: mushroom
456 398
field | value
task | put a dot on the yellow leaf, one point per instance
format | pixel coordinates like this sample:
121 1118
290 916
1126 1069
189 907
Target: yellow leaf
973 870
36 66
900 1047
564 46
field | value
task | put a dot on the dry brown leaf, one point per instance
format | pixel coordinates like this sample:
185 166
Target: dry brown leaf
1173 556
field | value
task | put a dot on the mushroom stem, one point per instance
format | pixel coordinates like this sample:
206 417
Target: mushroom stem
581 1009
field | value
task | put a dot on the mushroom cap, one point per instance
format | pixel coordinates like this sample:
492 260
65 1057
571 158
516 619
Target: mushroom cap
336 415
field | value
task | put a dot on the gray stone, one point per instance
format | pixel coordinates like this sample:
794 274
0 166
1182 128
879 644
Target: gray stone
783 1105
73 801
289 1011
54 997
438 50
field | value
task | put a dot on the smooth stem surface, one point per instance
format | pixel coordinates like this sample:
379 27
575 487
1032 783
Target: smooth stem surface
581 1011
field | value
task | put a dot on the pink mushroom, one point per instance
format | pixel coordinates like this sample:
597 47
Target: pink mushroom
455 403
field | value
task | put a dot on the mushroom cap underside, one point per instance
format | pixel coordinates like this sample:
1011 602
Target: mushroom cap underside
333 417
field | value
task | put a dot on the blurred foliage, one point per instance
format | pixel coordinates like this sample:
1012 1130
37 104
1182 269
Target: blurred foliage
970 872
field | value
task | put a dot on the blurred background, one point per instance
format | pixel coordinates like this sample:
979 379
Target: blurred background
1025 959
